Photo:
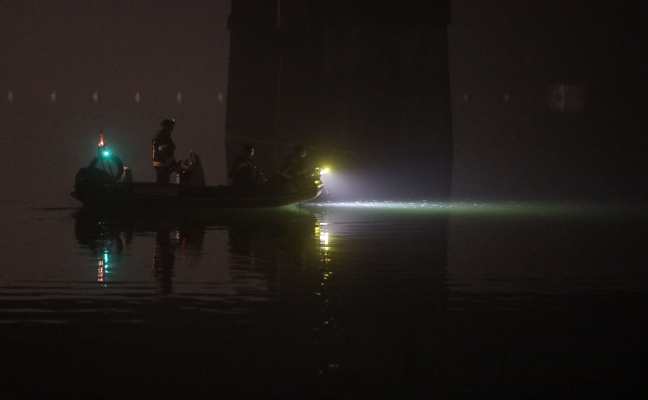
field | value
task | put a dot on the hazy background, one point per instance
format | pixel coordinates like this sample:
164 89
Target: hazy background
548 98
173 53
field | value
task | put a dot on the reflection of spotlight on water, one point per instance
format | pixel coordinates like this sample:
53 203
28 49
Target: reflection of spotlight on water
469 208
423 205
342 186
324 238
354 184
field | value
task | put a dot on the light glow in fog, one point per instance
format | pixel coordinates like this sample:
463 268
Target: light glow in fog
482 208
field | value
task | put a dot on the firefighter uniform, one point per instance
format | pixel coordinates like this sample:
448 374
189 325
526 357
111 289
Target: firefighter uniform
163 152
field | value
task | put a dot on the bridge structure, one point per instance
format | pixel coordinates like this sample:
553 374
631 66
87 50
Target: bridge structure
364 85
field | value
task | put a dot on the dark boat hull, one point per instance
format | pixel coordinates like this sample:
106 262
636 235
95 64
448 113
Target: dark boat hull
151 195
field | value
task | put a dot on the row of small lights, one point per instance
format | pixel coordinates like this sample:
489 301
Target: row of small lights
506 97
95 97
466 98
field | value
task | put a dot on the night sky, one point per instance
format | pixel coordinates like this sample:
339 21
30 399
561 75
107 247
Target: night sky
507 59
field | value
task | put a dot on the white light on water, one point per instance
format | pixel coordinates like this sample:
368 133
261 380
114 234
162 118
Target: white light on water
384 204
476 208
324 238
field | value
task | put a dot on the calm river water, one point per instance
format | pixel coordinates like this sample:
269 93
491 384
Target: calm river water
326 301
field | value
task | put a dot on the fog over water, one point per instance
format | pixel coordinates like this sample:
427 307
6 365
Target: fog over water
527 124
530 282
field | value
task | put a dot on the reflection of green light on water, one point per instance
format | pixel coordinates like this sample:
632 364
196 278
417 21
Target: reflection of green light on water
106 261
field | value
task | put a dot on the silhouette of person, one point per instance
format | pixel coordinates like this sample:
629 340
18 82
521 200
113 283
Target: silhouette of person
164 160
242 170
293 166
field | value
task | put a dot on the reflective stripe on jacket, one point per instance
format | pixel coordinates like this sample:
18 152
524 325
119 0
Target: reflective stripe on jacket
163 149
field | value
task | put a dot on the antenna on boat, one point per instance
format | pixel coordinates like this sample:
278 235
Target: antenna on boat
101 147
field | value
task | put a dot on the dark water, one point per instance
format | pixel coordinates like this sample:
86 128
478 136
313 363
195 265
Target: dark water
334 301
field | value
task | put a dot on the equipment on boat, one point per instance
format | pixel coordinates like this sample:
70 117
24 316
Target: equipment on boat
107 184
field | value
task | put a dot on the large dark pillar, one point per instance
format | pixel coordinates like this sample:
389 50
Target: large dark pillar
363 84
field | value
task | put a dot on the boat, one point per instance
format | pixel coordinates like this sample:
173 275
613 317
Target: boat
107 184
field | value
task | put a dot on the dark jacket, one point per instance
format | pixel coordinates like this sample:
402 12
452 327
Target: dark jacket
293 166
242 169
163 149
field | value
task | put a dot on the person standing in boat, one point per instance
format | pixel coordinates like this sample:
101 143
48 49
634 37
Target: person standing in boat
164 160
242 170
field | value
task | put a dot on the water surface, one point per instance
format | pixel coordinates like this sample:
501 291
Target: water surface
332 300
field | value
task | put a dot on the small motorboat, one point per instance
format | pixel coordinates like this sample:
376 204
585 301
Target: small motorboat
107 184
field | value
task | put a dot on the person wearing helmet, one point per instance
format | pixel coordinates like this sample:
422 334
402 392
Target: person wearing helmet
164 160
